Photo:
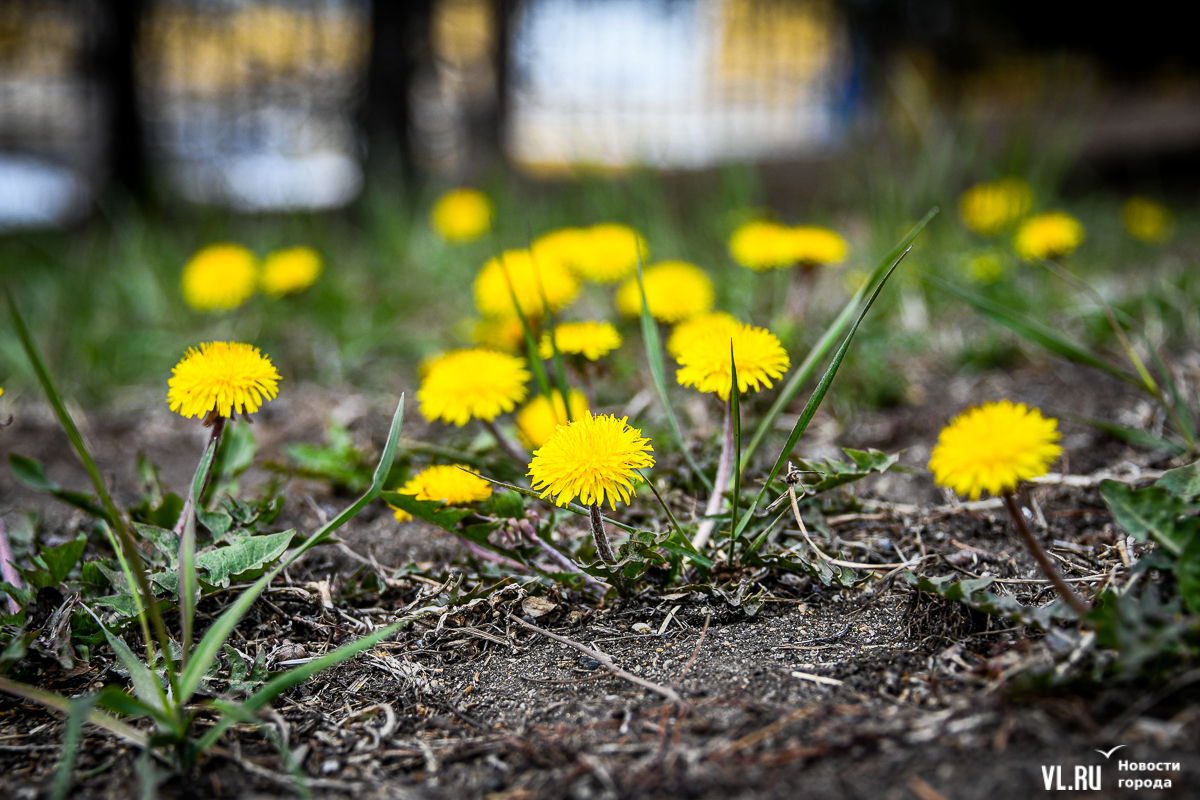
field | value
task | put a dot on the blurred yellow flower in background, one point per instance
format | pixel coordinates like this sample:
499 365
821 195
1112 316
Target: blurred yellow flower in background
994 447
592 340
609 252
561 247
593 458
675 291
761 245
219 277
813 246
461 215
705 360
989 208
477 383
1049 235
499 333
538 420
289 271
228 377
530 279
1147 221
447 483
689 330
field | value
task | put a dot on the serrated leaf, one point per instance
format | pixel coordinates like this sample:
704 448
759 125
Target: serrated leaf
1150 514
830 473
163 540
1183 482
243 555
971 594
218 522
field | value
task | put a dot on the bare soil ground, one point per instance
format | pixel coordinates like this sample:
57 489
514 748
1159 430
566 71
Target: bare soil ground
871 692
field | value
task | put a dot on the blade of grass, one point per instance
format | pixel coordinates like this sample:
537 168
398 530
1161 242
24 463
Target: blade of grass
221 629
1183 417
1131 435
189 584
818 395
1034 331
146 687
531 345
63 704
123 535
560 372
735 411
681 541
828 339
72 738
134 593
653 345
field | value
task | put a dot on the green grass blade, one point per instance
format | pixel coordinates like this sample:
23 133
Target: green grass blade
146 687
72 738
1182 416
1131 435
654 355
208 648
63 704
298 675
531 344
123 535
1033 331
189 584
814 402
735 412
828 339
139 607
560 372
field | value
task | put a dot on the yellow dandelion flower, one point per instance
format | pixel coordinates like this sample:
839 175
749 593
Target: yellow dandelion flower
689 330
704 361
592 340
761 245
506 333
529 280
994 447
219 277
675 291
1049 235
609 252
561 246
290 271
537 421
593 458
988 208
475 383
461 215
445 483
812 246
1147 221
231 377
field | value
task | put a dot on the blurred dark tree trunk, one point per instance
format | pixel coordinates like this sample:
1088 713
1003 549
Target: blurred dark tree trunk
112 64
399 45
503 10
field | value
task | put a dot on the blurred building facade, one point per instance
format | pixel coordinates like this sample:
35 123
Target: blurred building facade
287 104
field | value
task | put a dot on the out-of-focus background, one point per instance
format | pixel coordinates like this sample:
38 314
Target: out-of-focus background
134 132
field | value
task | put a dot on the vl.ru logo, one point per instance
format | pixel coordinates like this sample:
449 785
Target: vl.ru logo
1086 778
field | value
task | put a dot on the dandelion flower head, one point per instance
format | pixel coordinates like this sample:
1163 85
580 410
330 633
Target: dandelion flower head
290 271
1147 221
229 377
609 252
475 383
561 246
446 483
705 360
592 340
761 245
593 458
1049 235
461 215
219 277
994 447
530 279
812 246
675 291
538 420
988 208
689 330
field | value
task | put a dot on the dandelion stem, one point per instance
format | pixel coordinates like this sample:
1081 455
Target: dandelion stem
1039 555
724 470
506 444
603 549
